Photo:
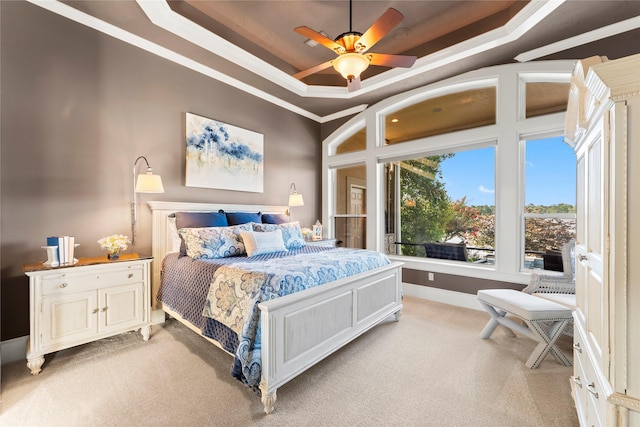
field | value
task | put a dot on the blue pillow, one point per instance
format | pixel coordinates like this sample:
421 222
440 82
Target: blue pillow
237 218
198 220
274 218
201 219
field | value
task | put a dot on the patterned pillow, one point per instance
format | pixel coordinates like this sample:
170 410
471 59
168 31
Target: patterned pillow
214 242
263 243
291 233
198 220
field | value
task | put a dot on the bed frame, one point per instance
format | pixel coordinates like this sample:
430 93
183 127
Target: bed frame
300 329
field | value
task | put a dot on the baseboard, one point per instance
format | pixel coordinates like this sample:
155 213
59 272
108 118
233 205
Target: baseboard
16 348
442 295
13 350
157 316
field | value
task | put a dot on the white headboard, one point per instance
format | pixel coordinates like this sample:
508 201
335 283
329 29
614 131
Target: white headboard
161 241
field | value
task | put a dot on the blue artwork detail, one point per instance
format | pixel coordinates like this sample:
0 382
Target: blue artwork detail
223 156
217 140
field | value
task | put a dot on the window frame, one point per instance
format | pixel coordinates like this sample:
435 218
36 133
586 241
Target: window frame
525 216
510 129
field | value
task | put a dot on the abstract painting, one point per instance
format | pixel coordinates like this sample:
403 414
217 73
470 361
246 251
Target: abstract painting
223 156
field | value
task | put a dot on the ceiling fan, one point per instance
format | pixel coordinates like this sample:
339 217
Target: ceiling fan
352 48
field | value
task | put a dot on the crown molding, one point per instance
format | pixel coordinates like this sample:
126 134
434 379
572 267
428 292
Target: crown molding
159 12
581 39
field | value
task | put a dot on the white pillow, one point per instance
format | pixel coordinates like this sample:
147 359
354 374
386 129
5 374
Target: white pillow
173 235
257 243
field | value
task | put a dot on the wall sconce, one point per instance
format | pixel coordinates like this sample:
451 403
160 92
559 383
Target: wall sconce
295 199
145 183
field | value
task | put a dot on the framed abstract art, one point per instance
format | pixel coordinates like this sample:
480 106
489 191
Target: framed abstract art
223 156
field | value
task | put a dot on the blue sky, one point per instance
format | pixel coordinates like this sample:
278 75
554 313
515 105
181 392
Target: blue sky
550 174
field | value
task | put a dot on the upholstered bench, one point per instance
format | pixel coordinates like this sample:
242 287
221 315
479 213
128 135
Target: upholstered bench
535 312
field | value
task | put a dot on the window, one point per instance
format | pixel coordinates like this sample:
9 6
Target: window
445 172
351 206
550 202
443 114
356 142
545 98
447 205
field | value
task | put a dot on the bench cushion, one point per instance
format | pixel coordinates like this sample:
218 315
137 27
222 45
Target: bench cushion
523 305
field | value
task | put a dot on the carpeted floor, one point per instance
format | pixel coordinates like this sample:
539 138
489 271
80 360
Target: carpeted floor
428 369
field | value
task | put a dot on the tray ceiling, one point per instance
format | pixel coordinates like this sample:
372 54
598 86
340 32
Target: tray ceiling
251 44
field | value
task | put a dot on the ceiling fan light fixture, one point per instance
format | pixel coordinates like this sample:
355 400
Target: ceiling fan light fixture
350 65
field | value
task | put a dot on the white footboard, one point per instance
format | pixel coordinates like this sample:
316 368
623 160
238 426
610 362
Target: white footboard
301 329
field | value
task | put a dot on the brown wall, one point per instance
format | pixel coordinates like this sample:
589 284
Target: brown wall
78 107
452 282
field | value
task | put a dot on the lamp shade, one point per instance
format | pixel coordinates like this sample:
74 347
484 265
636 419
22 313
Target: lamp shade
350 65
149 183
295 199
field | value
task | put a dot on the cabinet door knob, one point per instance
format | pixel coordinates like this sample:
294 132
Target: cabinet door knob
577 347
592 389
578 381
130 275
63 285
582 257
104 308
95 310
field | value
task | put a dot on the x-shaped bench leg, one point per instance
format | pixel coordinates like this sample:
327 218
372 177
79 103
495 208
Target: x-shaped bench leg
547 343
497 318
546 339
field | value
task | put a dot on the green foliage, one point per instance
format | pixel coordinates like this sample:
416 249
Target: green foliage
559 208
548 233
462 221
425 206
429 215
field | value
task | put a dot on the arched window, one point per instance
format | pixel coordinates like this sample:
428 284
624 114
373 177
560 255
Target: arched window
437 177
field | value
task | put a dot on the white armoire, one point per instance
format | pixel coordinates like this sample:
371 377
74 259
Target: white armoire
603 125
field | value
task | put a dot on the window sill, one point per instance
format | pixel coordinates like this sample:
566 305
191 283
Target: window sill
480 271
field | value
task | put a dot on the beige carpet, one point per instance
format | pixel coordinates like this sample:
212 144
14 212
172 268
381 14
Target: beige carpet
428 369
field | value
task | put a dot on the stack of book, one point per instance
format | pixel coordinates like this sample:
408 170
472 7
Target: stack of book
60 251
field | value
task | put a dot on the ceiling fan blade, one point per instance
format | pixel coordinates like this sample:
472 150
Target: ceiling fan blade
386 60
323 40
353 84
312 70
379 29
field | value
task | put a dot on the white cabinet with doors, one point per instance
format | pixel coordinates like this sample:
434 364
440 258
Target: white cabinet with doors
90 300
603 124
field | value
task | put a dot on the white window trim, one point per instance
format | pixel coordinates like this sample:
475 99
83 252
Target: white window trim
507 134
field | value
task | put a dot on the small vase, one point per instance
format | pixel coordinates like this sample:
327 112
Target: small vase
113 256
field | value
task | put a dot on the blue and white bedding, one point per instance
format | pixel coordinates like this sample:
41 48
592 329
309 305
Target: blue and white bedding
238 289
221 296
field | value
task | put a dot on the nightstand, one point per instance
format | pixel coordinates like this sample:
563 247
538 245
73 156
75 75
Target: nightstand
92 299
324 242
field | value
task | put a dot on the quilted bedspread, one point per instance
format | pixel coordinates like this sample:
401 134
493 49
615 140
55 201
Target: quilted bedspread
237 289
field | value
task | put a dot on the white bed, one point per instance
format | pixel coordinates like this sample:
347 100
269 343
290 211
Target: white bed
348 306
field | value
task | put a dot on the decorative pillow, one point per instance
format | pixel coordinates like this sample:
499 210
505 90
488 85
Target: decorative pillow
214 242
274 218
263 243
291 233
236 218
198 220
176 241
201 219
